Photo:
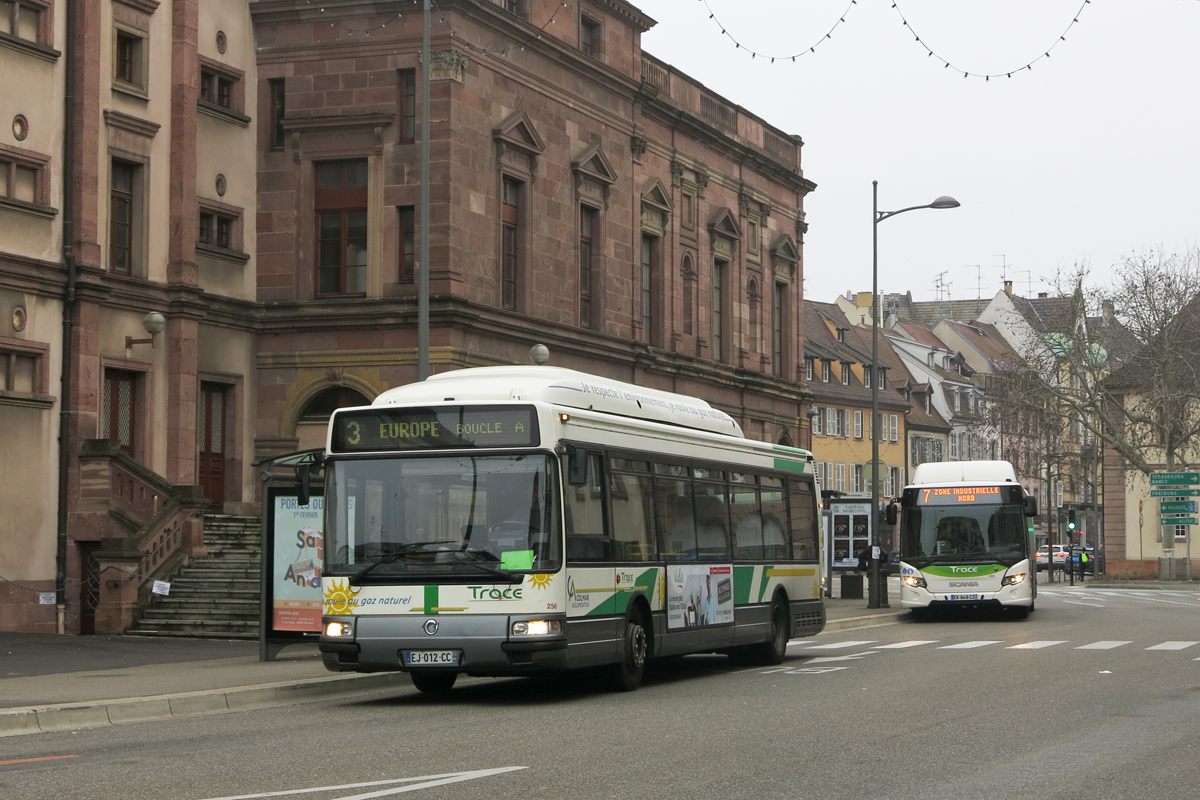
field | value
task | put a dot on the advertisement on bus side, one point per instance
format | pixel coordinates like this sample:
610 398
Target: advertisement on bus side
699 594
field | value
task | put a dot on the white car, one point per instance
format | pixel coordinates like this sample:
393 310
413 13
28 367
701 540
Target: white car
1061 553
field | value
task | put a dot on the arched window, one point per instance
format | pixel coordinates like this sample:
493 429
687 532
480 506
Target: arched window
311 428
753 345
689 299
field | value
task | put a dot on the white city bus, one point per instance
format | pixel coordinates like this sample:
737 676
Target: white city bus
964 540
527 520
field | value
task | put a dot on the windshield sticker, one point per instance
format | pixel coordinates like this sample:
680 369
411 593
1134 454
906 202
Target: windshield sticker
340 598
516 559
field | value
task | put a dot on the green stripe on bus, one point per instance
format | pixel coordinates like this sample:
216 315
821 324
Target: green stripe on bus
431 599
762 589
743 582
789 466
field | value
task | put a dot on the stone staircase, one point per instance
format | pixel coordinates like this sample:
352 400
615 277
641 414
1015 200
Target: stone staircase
216 597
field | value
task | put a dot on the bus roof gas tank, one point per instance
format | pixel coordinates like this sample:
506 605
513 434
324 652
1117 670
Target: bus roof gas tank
563 387
983 472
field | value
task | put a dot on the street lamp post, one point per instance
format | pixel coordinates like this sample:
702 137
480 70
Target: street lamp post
877 594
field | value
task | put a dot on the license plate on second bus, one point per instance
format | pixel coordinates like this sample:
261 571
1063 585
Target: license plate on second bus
432 658
964 597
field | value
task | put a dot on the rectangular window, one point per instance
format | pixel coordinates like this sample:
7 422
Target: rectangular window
123 184
819 471
858 424
22 368
21 176
216 89
894 427
845 374
407 244
718 317
510 216
818 421
341 205
632 516
120 419
512 6
407 80
839 472
808 368
129 58
649 278
587 229
856 478
216 229
834 421
867 370
22 20
674 517
591 36
777 307
826 371
587 539
687 205
278 111
954 447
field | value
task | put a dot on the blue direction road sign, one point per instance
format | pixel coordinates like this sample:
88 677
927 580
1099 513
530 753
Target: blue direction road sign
1182 507
1174 478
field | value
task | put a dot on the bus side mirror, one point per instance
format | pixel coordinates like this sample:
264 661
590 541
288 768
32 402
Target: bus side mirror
889 514
1031 507
303 486
577 466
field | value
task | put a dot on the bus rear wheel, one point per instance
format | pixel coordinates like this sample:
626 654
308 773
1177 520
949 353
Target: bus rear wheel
433 682
773 650
626 674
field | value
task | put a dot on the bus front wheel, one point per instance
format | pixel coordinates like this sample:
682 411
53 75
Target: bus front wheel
626 674
433 682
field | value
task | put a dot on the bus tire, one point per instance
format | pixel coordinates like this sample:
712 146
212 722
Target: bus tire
773 650
432 681
920 614
1020 612
626 674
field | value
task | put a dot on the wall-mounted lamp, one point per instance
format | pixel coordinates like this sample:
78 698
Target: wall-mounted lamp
154 323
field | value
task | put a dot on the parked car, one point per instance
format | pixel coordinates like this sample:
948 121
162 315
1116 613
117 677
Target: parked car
1060 555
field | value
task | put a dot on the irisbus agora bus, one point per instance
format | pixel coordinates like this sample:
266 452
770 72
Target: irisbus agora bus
964 540
528 520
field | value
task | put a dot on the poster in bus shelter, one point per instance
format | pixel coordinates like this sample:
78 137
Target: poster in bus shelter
699 594
298 555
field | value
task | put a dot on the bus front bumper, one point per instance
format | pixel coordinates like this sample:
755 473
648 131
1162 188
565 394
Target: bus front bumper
476 644
922 597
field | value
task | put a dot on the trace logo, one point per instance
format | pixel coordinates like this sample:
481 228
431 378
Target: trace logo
964 570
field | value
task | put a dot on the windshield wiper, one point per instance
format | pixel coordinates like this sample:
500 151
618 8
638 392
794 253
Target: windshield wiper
395 555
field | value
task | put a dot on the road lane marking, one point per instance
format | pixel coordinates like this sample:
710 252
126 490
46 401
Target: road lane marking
1172 646
1038 645
967 645
1103 645
1169 602
830 659
841 645
1090 605
30 760
427 781
903 645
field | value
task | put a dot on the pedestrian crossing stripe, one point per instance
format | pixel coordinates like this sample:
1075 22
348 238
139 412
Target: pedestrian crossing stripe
967 645
1036 645
904 645
1105 645
1172 646
1041 644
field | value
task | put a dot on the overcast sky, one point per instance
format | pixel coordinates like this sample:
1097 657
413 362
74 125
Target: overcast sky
1091 155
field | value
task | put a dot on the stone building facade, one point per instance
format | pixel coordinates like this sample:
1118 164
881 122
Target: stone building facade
250 171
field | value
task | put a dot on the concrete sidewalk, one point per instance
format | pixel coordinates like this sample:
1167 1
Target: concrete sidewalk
55 683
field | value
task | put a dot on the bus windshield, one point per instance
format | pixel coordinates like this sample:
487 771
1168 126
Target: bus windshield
963 534
441 517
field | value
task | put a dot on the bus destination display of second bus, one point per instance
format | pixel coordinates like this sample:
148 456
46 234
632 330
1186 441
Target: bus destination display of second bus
951 495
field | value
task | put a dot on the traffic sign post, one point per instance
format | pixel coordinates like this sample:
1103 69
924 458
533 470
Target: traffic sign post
1172 512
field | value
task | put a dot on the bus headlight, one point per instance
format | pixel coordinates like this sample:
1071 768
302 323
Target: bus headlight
339 629
915 581
1013 580
537 627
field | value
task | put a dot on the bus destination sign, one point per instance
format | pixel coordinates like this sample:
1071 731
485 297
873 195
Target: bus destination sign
952 495
433 428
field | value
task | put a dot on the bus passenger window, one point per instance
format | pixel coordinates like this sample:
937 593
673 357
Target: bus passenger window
674 522
712 522
747 520
801 516
632 522
586 539
776 543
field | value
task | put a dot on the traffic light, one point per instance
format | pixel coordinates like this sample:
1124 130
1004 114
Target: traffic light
1071 520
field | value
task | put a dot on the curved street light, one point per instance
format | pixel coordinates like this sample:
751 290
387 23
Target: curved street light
876 594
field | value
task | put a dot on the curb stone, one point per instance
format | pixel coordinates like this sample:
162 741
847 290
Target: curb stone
102 713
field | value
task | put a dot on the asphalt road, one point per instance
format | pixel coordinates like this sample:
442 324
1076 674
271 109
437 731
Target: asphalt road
1097 695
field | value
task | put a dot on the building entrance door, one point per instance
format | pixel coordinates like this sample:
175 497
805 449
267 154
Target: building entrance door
211 429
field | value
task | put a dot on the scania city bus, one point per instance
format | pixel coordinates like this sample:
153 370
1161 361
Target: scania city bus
525 520
964 539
